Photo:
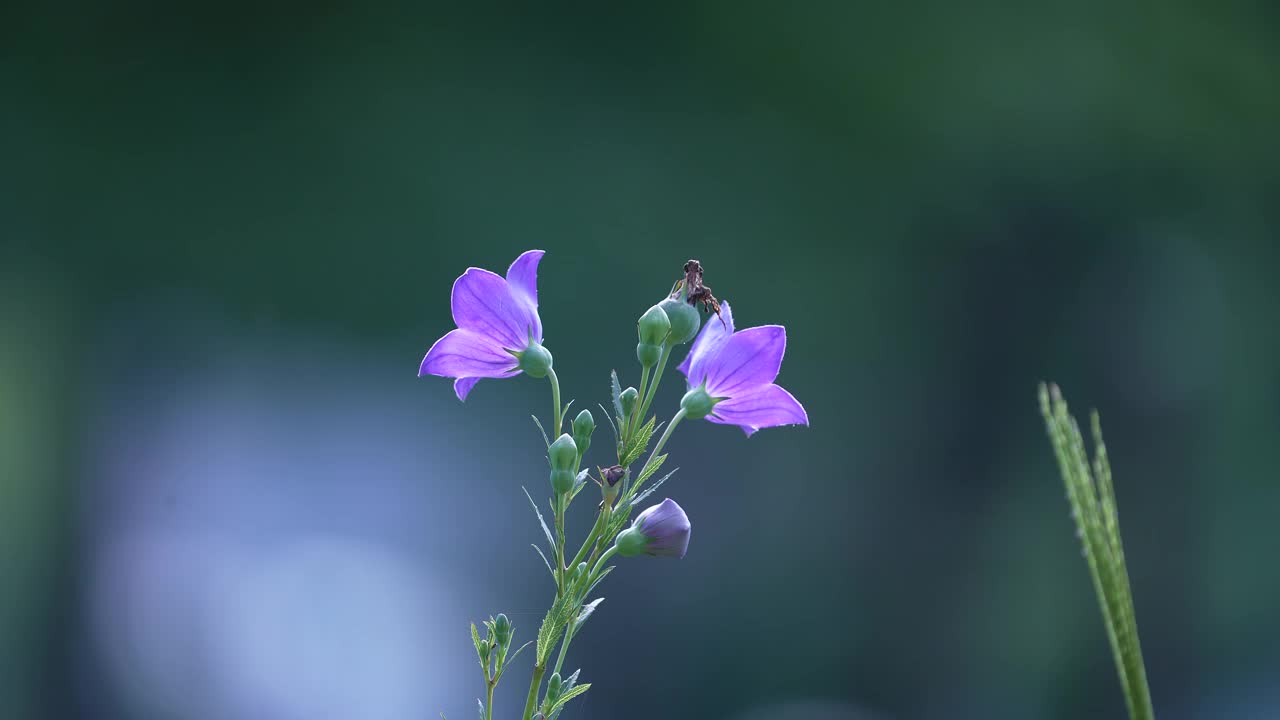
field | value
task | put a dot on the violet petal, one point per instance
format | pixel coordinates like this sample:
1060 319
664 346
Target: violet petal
706 345
749 359
467 353
766 406
483 302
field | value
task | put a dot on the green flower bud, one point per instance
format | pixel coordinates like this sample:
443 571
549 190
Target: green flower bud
534 360
502 630
697 404
648 355
553 688
684 318
631 543
484 652
561 481
653 326
583 426
629 400
563 453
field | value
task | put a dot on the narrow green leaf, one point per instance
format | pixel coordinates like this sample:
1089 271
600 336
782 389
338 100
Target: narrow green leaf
615 388
546 530
538 422
571 694
649 490
545 561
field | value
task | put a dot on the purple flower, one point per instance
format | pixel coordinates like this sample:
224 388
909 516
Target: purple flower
497 320
731 376
661 531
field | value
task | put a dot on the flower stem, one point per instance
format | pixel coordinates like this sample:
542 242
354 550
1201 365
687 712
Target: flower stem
657 449
555 402
534 686
635 411
488 700
653 387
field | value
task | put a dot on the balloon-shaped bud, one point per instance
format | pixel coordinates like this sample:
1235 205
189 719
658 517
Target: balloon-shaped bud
502 630
684 318
661 531
653 326
628 400
653 329
583 425
563 453
554 686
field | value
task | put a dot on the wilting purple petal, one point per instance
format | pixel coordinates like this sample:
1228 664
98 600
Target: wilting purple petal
467 353
482 301
765 406
713 335
667 527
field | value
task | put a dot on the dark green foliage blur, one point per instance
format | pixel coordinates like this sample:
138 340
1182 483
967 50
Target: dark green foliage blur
944 203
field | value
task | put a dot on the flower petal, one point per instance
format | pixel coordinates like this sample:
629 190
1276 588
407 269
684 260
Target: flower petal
462 386
769 406
467 353
744 362
522 277
713 335
482 302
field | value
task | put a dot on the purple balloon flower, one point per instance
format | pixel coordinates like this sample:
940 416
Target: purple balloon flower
661 531
735 371
497 319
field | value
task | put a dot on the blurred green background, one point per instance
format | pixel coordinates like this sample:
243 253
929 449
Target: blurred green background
227 235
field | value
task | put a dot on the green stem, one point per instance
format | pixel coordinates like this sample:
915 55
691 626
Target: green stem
657 449
555 403
488 701
653 387
640 394
535 685
560 568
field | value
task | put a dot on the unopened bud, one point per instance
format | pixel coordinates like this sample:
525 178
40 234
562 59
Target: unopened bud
684 318
629 400
583 425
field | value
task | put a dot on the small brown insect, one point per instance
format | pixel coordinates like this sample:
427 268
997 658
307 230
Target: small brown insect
698 292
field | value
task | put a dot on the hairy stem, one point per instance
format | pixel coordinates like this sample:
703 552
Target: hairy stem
535 685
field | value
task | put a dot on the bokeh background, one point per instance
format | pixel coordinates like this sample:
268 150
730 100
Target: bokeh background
227 236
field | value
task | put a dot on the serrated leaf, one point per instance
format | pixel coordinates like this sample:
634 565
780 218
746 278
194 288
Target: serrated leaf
652 468
649 490
538 422
546 530
616 388
571 694
475 638
553 625
639 443
585 613
544 559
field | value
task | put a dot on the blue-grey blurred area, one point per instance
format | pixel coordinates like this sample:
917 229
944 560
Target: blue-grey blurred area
227 236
